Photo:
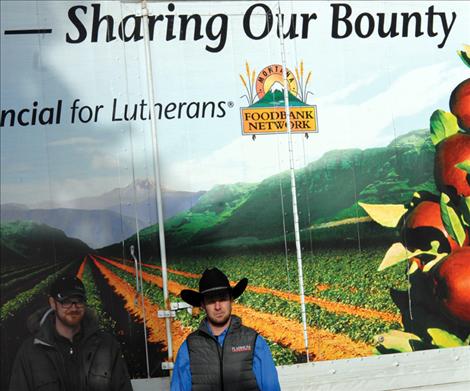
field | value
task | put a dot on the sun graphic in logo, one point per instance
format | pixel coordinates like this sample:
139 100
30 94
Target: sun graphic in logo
271 77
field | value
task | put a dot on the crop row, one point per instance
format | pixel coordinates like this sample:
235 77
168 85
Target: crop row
81 269
328 305
93 296
338 275
281 354
133 304
131 299
378 319
28 276
154 293
285 332
11 306
16 271
356 327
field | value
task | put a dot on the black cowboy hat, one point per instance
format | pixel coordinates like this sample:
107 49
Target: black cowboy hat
212 281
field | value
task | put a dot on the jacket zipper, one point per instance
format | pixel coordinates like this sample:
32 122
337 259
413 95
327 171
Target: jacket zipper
220 350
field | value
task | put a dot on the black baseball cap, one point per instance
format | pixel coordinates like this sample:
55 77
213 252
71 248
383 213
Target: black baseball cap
66 287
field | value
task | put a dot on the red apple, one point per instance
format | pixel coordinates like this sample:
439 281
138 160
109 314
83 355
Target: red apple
424 225
451 285
449 179
460 104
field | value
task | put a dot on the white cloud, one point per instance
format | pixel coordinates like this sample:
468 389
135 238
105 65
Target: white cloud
74 141
56 191
349 89
243 160
342 126
71 189
362 125
104 161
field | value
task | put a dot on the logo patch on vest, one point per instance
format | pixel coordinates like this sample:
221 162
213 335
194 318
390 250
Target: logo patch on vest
242 348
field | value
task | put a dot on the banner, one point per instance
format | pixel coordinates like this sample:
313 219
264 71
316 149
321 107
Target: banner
364 90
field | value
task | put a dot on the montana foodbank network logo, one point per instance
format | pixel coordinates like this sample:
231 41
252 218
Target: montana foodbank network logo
266 113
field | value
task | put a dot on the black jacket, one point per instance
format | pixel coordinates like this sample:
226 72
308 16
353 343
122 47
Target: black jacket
40 365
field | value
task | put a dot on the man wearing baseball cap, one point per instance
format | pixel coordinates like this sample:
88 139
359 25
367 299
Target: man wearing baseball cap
68 351
222 354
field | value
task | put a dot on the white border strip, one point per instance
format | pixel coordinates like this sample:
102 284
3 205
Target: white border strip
441 369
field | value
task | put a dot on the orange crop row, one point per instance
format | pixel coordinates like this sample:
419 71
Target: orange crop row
324 344
133 300
326 304
81 268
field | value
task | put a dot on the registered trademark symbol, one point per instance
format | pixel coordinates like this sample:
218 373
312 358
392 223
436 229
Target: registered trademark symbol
230 104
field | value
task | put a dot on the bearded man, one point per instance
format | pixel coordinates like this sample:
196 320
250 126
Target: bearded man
68 351
222 354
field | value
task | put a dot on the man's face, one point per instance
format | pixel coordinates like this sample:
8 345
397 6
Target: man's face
70 311
218 308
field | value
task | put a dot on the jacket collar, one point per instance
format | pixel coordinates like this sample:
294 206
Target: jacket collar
41 325
235 323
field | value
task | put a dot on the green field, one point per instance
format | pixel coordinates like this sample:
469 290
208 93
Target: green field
350 276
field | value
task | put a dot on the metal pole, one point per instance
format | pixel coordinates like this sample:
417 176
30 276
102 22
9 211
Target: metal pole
136 267
141 287
153 126
292 180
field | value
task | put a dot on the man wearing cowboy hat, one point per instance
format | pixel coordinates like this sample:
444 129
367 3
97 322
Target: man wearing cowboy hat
222 354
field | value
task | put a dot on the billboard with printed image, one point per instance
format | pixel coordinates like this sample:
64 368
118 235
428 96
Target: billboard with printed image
354 100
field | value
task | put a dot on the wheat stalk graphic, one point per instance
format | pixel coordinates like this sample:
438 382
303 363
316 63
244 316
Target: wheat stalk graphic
249 86
303 92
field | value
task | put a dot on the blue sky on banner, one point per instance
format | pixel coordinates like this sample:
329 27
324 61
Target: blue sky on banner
367 91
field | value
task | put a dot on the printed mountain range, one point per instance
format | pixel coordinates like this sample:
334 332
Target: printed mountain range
26 242
239 214
327 192
275 98
105 219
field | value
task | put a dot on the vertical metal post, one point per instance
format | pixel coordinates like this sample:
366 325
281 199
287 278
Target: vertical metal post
140 287
156 164
136 267
292 180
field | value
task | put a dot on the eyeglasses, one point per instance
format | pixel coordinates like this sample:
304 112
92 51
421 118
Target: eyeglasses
68 303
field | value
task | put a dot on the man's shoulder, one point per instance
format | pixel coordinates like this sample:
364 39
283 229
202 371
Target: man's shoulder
29 348
194 334
244 327
248 328
28 342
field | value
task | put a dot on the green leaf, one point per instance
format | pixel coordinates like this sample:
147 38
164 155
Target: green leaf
465 55
396 254
397 340
434 262
387 215
413 267
443 339
443 124
465 166
451 220
467 341
464 208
